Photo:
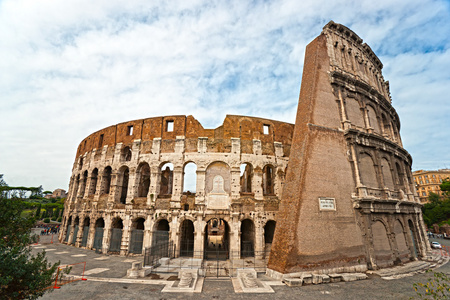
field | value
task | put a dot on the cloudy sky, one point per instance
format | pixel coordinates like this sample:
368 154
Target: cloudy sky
69 68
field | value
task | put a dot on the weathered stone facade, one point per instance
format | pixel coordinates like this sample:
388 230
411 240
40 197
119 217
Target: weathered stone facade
349 199
121 184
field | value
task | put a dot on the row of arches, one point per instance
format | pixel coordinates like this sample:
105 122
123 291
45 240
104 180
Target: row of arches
382 171
101 182
365 116
216 236
395 243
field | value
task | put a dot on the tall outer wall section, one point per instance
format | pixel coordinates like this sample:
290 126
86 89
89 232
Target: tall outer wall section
348 203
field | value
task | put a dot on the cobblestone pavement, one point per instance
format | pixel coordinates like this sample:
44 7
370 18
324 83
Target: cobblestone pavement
106 280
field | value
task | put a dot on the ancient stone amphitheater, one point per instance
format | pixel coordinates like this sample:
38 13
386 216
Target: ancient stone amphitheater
347 199
128 187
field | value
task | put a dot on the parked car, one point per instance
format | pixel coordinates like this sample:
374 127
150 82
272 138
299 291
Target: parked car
436 245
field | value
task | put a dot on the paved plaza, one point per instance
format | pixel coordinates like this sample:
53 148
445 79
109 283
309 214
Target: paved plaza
106 279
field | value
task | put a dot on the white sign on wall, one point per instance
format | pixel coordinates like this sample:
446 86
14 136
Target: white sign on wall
327 203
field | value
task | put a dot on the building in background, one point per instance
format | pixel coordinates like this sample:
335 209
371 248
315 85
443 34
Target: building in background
429 181
58 193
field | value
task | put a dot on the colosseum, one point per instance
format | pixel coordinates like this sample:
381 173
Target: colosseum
347 199
129 188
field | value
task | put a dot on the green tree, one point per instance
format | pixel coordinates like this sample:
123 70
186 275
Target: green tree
38 211
22 275
434 198
445 187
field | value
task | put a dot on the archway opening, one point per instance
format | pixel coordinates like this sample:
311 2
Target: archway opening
161 233
268 180
166 182
116 235
144 180
269 230
217 234
86 224
187 238
246 178
124 186
106 180
137 236
247 238
93 184
98 236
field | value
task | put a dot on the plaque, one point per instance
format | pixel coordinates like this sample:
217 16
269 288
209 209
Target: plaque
327 203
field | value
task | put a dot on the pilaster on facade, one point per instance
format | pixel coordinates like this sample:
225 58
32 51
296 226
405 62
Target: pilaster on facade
257 147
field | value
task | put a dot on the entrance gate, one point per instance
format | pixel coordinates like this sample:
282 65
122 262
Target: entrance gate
136 242
85 236
98 239
116 240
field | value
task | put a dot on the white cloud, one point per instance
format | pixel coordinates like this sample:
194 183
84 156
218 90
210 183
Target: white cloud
70 68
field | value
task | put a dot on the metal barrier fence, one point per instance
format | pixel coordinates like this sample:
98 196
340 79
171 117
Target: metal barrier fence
136 241
116 240
153 254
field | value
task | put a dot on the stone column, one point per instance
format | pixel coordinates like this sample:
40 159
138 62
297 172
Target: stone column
259 238
90 241
200 186
126 230
155 179
199 237
131 185
106 234
177 187
257 188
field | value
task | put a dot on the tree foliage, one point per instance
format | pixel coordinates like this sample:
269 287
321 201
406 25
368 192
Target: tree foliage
437 210
22 275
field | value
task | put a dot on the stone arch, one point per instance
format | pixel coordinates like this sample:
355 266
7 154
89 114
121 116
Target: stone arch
161 231
122 184
187 238
218 168
269 231
86 225
83 186
373 120
98 235
386 125
106 181
93 184
137 235
189 177
76 186
143 175
126 154
247 238
354 112
268 180
217 234
387 173
367 170
116 235
166 181
381 245
402 246
246 173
